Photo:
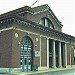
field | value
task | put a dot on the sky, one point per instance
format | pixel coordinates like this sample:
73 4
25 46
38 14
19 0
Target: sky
63 9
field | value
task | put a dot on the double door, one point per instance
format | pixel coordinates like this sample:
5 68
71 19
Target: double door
25 63
26 54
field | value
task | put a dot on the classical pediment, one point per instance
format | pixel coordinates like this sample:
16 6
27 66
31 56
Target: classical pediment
17 16
33 11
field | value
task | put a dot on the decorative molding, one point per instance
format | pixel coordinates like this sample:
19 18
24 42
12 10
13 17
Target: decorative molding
24 22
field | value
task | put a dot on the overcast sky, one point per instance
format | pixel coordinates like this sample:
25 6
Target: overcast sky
63 9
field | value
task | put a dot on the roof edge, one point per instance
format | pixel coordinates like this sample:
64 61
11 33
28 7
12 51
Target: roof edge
15 11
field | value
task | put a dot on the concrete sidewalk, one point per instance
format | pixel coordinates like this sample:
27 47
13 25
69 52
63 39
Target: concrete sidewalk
41 71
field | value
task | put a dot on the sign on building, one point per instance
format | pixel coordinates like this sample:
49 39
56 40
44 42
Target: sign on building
37 53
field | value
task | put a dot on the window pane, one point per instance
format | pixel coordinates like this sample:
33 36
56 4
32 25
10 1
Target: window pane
21 48
25 61
21 61
29 61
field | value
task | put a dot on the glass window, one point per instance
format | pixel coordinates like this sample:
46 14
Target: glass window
46 22
25 61
21 61
21 48
26 46
29 61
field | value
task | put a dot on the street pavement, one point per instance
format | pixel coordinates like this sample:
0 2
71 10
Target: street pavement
61 72
58 71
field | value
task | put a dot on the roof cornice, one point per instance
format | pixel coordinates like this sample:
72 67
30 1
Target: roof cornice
51 13
13 12
31 11
22 21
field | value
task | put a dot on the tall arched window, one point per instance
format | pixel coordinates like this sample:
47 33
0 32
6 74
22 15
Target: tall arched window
46 22
26 54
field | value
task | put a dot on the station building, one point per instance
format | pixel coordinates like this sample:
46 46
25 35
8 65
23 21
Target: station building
30 36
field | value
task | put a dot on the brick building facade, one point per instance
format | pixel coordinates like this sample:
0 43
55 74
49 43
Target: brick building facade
30 36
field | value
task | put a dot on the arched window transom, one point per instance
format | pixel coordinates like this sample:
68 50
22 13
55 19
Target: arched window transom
46 22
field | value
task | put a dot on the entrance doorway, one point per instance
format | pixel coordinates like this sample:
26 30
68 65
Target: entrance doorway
26 54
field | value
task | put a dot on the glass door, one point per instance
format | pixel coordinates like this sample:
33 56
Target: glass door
26 54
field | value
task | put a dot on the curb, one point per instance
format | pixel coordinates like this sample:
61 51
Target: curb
43 71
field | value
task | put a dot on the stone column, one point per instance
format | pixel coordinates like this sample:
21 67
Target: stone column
65 55
48 52
54 55
40 51
59 56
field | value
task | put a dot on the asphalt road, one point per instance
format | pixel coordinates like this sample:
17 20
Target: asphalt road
62 72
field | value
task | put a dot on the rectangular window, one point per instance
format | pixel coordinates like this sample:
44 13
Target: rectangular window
21 61
29 61
25 61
